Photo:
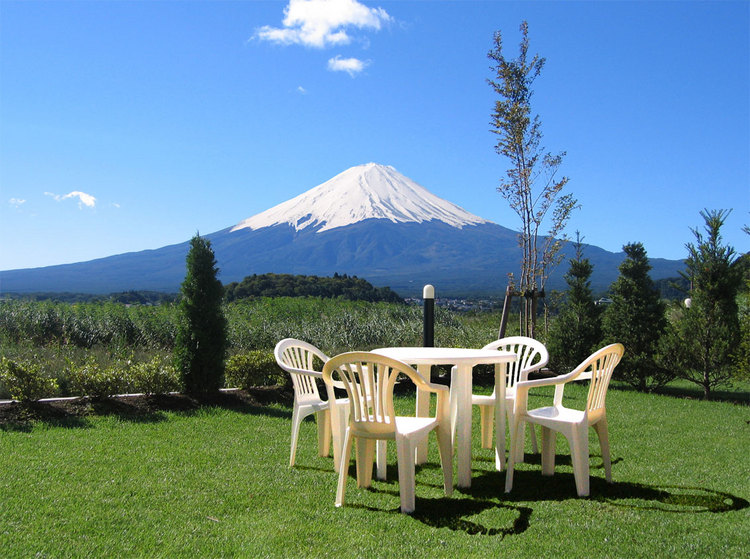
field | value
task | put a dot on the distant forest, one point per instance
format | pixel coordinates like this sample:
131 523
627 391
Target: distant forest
286 285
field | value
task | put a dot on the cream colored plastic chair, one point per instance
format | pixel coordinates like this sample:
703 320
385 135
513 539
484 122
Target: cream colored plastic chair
369 380
298 358
574 424
531 355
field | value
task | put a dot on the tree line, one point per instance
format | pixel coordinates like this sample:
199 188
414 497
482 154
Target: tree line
338 286
703 339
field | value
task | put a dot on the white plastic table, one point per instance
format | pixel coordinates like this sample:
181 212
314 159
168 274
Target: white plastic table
463 360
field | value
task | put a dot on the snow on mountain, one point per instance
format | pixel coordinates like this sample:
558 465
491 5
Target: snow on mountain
359 193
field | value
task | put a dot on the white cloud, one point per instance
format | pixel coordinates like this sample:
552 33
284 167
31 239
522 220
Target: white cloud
16 202
301 90
83 198
322 23
352 66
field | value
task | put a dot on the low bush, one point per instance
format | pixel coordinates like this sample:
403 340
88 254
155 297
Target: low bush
156 376
26 381
254 368
97 381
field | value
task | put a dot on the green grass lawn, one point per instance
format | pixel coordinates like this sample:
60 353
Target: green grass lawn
215 483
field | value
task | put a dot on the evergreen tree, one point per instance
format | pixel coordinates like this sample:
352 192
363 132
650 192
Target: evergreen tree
706 336
636 319
576 332
200 347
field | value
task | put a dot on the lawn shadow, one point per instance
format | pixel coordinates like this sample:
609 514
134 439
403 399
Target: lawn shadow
21 416
253 401
455 514
75 412
498 520
530 485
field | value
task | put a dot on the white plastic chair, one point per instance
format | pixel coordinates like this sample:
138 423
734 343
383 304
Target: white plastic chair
298 359
574 424
531 355
369 380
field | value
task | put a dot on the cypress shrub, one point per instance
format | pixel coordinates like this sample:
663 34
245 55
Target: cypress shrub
201 344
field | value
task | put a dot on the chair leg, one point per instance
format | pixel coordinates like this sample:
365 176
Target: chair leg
405 451
549 438
381 460
532 435
522 438
446 457
601 430
343 467
296 420
516 432
323 419
338 429
579 454
365 457
486 414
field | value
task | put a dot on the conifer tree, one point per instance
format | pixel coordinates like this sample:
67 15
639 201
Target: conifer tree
200 347
636 319
576 332
705 338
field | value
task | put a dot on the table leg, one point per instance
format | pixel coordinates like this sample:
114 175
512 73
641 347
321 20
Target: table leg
423 410
501 372
461 421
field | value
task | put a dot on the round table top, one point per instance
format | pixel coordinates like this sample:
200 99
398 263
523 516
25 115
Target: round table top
446 355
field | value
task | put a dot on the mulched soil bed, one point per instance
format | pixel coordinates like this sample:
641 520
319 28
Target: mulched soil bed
15 413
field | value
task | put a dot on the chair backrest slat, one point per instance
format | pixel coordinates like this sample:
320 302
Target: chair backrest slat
602 364
530 354
297 354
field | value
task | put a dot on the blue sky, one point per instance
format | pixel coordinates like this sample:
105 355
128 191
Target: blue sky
131 125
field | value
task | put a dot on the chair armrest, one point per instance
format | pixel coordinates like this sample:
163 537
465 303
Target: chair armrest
535 367
307 372
523 387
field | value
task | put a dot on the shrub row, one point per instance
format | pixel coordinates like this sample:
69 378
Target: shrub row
28 379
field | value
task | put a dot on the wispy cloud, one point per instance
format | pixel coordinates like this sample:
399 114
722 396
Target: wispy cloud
16 202
352 66
322 23
83 198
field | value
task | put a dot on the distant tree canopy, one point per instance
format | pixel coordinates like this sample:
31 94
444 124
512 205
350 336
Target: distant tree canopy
286 285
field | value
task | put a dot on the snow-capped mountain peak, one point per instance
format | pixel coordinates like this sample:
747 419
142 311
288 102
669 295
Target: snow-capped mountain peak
359 193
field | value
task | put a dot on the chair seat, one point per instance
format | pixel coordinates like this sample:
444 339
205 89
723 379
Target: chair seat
558 413
408 425
404 426
314 404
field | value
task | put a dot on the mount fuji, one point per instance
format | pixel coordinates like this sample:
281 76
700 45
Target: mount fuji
369 221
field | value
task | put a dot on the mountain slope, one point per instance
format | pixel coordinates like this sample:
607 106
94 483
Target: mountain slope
369 221
363 192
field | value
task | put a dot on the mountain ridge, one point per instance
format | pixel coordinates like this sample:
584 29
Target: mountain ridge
396 234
